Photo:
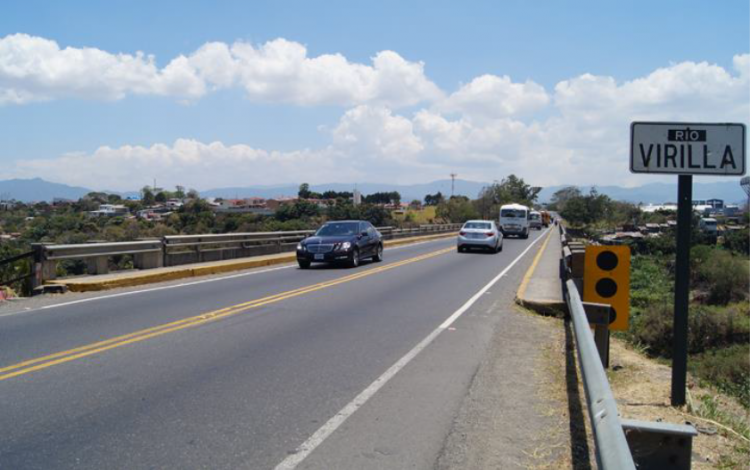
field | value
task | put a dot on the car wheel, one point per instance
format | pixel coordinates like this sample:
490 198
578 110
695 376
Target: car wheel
354 259
303 264
501 247
460 249
378 254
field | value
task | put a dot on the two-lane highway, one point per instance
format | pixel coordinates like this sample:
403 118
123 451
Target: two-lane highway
236 372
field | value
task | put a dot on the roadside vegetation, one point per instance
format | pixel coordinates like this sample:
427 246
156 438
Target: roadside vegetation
72 222
719 318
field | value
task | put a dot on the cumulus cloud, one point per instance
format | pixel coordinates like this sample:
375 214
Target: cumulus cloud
582 137
186 161
37 69
375 131
490 96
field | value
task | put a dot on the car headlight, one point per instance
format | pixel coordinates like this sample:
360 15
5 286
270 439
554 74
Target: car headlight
300 247
345 246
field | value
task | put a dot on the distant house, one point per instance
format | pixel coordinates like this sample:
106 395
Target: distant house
252 205
174 203
152 215
7 205
110 210
275 203
659 207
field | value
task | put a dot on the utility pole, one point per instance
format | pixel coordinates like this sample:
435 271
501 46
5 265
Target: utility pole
453 183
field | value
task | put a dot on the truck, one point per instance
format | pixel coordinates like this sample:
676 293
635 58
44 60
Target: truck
514 220
545 218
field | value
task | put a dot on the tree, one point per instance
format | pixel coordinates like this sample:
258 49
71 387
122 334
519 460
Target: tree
585 210
193 194
392 197
147 196
434 199
304 191
179 192
161 197
336 195
101 198
510 190
458 209
562 196
299 210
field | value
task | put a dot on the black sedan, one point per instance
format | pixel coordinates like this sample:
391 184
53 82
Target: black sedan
347 241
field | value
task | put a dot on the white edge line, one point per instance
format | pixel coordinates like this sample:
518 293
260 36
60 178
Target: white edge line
307 447
174 286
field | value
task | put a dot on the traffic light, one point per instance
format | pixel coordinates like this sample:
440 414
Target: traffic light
606 280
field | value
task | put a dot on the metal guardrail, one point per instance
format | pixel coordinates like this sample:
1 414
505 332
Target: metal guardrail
612 451
620 444
177 250
14 269
89 250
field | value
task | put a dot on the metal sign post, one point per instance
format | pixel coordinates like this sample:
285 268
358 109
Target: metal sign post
682 288
685 149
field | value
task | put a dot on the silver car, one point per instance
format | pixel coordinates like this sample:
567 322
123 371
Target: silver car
480 234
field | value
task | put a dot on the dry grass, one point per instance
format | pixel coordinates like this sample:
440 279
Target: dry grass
566 443
642 388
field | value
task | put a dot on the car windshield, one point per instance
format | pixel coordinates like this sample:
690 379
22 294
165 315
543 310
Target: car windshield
534 216
478 225
338 229
513 213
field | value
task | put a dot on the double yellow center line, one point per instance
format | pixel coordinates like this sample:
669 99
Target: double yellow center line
61 357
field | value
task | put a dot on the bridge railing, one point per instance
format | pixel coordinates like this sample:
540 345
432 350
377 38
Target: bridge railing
621 444
175 250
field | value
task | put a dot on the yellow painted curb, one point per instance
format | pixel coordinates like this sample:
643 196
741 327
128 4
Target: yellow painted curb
545 308
132 279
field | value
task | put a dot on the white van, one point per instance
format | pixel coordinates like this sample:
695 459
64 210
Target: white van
514 220
535 220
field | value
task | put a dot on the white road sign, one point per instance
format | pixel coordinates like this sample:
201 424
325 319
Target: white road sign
684 148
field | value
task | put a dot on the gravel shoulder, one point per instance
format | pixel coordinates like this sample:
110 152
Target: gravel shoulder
527 364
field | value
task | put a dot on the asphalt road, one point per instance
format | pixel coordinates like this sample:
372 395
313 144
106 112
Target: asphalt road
239 372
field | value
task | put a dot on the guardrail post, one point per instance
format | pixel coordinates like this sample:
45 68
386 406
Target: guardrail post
43 269
148 260
97 265
659 445
37 278
598 315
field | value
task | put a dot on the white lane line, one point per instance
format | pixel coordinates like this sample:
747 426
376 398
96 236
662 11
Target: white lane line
307 447
183 284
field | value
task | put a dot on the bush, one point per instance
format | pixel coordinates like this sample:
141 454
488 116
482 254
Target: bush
650 282
664 244
727 368
653 329
723 276
707 328
738 241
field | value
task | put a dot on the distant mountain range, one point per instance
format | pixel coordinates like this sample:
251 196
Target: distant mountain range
37 189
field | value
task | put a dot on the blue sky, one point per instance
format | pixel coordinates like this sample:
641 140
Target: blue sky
424 134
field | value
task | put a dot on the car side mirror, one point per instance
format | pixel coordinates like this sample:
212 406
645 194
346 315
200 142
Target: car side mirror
363 234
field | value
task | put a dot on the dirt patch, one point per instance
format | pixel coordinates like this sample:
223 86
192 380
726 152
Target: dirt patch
642 388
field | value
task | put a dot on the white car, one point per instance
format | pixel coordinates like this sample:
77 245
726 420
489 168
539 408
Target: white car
480 234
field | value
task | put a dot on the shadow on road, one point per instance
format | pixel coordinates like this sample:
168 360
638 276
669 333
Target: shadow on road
579 444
